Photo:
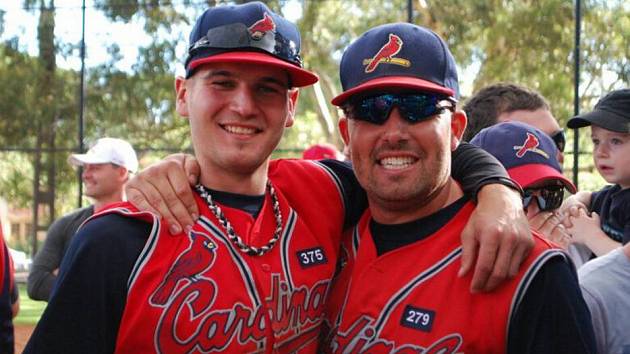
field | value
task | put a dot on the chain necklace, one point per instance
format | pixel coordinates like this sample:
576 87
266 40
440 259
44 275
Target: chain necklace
236 239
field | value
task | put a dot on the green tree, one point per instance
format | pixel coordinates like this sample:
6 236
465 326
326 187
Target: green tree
527 42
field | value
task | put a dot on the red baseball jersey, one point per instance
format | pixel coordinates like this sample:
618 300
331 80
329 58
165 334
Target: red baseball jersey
197 293
410 300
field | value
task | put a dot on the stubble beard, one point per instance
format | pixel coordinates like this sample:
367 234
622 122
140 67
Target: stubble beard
409 194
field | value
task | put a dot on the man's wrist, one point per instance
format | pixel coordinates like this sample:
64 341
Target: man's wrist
508 182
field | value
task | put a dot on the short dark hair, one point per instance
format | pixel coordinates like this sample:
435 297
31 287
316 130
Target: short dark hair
490 102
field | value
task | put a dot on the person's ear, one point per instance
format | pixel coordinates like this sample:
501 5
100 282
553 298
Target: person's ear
123 174
458 126
293 100
343 129
181 96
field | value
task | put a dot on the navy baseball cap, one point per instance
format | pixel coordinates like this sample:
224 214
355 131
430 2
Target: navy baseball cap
397 55
248 33
528 154
612 112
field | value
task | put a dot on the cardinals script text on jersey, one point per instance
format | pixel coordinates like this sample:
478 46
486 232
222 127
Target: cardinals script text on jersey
197 293
410 300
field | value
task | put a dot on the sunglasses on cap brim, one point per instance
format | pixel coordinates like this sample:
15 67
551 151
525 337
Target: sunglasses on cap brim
413 107
548 198
236 36
559 139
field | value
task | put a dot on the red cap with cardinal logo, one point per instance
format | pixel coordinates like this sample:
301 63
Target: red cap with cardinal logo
248 33
528 154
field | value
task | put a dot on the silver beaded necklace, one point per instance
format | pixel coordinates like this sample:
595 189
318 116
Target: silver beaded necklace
236 239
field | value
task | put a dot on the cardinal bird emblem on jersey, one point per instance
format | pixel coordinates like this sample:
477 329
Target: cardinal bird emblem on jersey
195 260
261 27
386 55
531 144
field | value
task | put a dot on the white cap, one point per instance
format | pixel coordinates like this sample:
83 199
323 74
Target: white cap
108 150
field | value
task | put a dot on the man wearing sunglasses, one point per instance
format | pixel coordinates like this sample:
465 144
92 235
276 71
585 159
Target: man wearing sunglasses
399 290
504 102
252 274
529 155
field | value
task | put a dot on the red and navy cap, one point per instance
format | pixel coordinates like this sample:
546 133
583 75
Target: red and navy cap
248 33
528 154
397 55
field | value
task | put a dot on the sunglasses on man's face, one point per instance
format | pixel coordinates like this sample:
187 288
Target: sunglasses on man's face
414 107
560 140
548 198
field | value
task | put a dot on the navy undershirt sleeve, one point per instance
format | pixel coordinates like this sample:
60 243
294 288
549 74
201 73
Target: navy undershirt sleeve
473 168
354 196
87 302
553 317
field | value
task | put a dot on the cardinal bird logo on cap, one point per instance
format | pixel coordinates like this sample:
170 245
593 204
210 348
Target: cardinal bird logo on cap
261 27
386 55
531 144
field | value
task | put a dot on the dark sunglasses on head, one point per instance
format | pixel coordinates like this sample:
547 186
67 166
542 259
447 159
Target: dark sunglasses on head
414 107
548 198
238 36
560 140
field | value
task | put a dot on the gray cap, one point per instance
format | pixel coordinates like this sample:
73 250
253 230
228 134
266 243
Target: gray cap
612 112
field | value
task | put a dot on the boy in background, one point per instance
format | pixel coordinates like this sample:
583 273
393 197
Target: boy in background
601 220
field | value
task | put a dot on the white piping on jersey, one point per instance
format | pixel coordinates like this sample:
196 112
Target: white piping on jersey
335 179
285 245
343 307
356 241
146 253
246 273
401 294
149 245
526 281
